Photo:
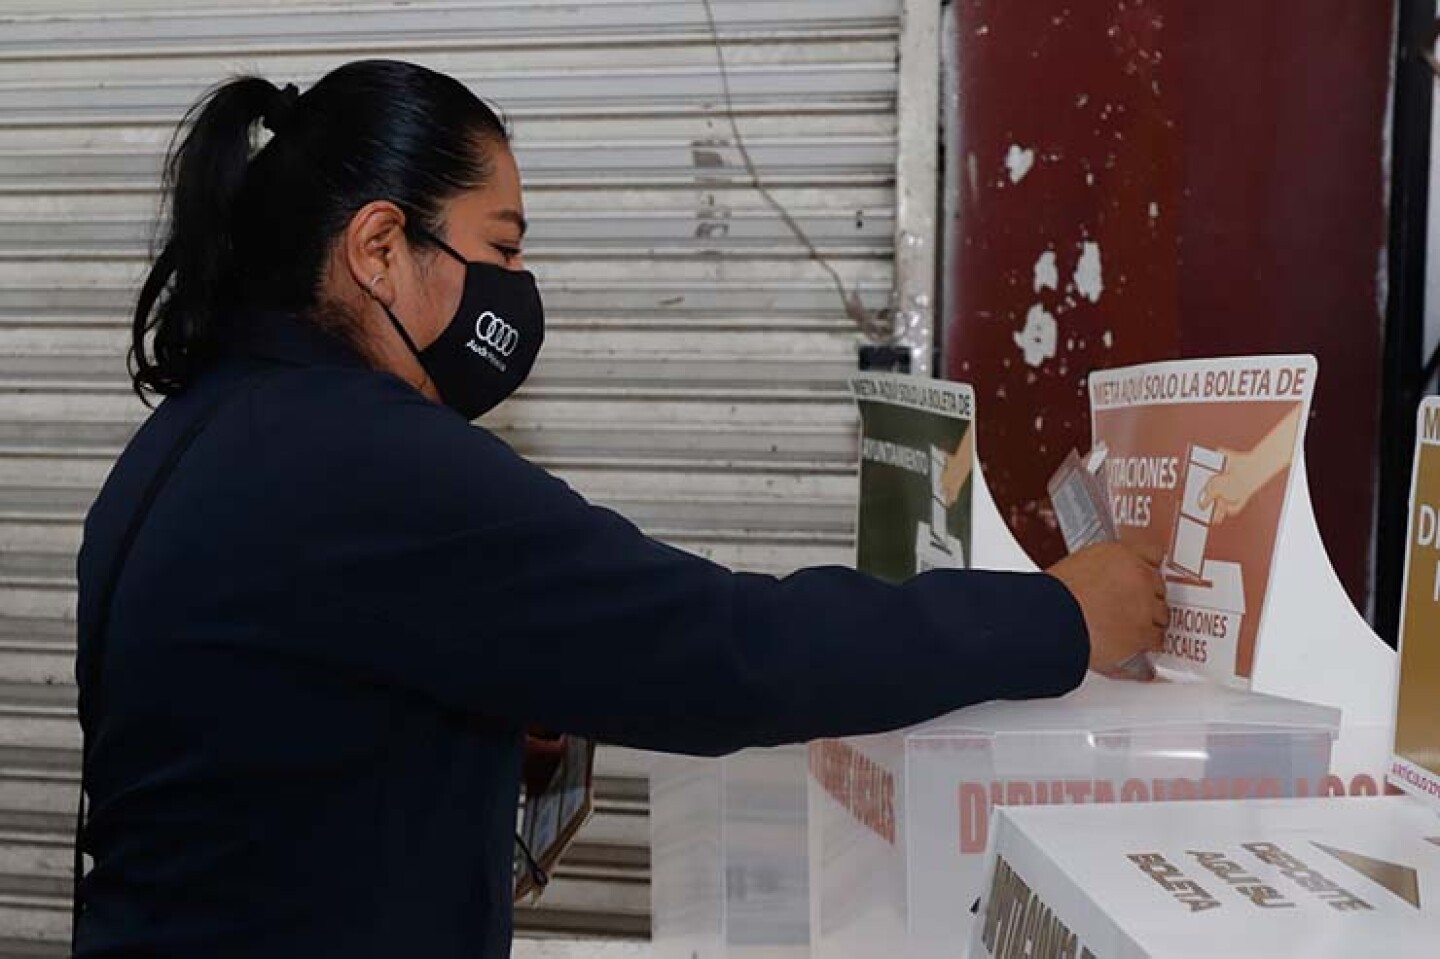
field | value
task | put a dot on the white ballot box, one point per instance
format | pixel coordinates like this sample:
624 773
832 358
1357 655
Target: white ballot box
1243 880
899 823
729 872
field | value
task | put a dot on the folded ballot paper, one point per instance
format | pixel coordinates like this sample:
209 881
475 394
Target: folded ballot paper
1081 499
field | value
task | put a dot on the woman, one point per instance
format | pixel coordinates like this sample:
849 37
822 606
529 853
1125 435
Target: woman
318 608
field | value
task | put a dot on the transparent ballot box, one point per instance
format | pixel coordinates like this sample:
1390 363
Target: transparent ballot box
729 871
899 823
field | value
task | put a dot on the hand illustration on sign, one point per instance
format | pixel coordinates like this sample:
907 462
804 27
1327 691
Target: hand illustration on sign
1246 473
958 468
935 546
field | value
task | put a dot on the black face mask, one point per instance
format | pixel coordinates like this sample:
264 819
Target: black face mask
488 348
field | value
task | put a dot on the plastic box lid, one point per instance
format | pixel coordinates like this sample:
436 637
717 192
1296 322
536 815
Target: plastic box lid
1102 705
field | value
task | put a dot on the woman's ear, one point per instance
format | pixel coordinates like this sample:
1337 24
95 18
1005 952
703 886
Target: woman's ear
371 247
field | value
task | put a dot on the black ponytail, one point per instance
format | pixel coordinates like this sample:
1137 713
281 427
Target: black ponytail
247 229
203 177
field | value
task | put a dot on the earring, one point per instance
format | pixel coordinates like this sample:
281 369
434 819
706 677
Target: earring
375 279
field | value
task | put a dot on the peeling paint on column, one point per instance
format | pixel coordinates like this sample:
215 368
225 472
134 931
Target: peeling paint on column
1047 272
1037 341
1019 162
1090 273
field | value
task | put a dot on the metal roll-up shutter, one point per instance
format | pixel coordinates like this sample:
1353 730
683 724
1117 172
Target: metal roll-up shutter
694 377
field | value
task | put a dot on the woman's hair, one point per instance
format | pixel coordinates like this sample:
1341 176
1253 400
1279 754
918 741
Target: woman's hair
255 229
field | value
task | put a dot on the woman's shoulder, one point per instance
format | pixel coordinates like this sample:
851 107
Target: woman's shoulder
357 403
381 434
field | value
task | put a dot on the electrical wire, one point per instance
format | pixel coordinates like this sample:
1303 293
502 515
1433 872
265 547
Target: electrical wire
870 323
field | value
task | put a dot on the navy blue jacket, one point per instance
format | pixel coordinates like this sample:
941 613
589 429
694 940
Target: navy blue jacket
347 603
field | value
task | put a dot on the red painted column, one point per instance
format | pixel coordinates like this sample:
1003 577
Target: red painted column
1147 179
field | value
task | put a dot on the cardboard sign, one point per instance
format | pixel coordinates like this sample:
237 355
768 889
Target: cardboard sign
1200 465
917 459
1416 767
1261 878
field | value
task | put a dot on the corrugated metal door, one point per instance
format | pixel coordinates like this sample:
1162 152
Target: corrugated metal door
694 378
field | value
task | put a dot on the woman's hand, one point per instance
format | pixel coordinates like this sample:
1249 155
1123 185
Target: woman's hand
1122 595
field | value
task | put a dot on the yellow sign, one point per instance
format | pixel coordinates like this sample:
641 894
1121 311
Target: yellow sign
1416 768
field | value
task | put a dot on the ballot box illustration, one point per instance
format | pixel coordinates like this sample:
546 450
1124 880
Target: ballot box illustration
1206 613
899 823
1249 879
935 546
1207 596
1192 520
729 872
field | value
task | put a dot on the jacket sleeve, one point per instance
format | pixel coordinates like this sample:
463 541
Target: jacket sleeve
483 582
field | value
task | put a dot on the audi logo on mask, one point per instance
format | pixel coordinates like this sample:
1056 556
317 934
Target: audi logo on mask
495 333
494 340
